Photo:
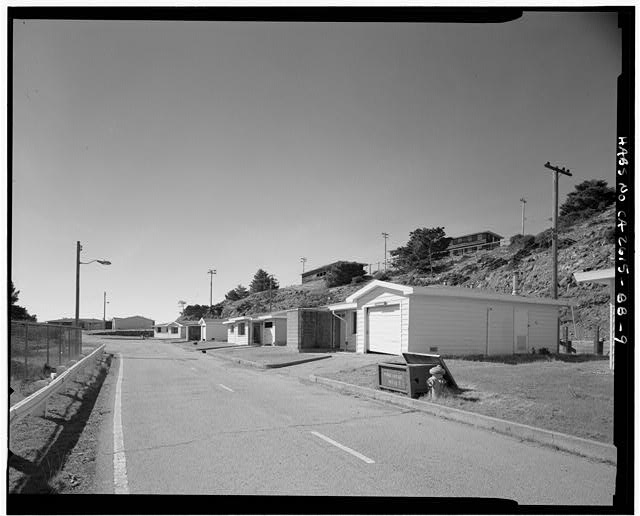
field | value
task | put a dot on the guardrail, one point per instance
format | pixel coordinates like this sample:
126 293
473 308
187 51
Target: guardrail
37 402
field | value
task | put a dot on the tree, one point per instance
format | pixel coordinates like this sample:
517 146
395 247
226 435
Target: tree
341 273
237 293
18 313
591 196
424 246
262 281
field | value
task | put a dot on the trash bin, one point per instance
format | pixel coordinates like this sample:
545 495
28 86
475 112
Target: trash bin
600 347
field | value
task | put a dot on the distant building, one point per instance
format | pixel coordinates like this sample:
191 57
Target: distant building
320 272
135 322
474 242
85 324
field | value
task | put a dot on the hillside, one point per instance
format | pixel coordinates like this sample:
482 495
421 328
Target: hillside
585 246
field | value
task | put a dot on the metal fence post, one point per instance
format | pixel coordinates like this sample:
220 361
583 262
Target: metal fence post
26 348
48 362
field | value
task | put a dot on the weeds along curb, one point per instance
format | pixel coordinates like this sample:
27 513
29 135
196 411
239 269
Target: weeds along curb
568 443
258 365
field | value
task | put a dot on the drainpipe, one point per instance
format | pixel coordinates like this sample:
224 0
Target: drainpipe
486 352
346 325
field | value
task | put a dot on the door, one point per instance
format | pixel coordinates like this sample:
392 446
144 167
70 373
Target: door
383 323
521 330
256 333
268 336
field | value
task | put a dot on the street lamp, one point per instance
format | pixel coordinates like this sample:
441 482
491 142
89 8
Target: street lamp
78 263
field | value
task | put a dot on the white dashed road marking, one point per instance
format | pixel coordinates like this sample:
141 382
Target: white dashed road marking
120 482
344 448
225 387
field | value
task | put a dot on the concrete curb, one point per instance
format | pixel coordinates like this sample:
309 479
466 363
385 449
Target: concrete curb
575 445
258 365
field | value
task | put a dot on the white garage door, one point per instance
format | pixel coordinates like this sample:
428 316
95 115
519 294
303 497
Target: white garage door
384 329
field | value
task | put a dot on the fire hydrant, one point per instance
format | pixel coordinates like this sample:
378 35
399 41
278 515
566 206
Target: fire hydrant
436 382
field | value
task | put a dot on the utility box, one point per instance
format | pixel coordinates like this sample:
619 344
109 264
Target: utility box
409 379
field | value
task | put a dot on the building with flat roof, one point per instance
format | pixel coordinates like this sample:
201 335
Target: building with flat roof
473 242
320 272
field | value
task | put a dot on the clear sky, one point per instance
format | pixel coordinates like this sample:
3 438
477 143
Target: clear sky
173 147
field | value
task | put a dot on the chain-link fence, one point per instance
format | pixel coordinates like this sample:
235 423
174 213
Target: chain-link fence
36 347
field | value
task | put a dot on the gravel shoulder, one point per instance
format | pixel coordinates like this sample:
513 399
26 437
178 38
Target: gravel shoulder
57 453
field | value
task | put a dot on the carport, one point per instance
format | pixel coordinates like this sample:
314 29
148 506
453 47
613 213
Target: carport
605 277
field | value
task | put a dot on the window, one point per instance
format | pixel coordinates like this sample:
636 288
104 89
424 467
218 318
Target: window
241 328
232 328
355 322
174 329
268 325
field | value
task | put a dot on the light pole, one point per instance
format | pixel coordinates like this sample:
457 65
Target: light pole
523 201
385 236
211 273
78 262
104 312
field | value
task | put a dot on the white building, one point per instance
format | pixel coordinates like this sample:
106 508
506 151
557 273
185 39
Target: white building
239 330
170 330
260 330
212 329
391 318
272 329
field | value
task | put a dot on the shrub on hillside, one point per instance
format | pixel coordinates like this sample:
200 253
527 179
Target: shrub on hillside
610 236
589 198
543 239
522 241
342 273
382 276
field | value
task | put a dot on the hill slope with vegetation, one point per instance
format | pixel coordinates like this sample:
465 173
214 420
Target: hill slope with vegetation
585 242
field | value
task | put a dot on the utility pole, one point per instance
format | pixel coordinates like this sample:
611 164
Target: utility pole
104 312
554 240
78 249
523 201
385 236
211 272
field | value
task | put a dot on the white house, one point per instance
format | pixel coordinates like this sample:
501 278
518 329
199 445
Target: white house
390 318
606 277
239 330
272 329
212 329
170 330
135 322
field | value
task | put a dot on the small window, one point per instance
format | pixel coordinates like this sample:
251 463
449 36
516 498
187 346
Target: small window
231 328
268 325
355 323
174 329
241 328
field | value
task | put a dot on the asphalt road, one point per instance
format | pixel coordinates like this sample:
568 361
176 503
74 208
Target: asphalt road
193 424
